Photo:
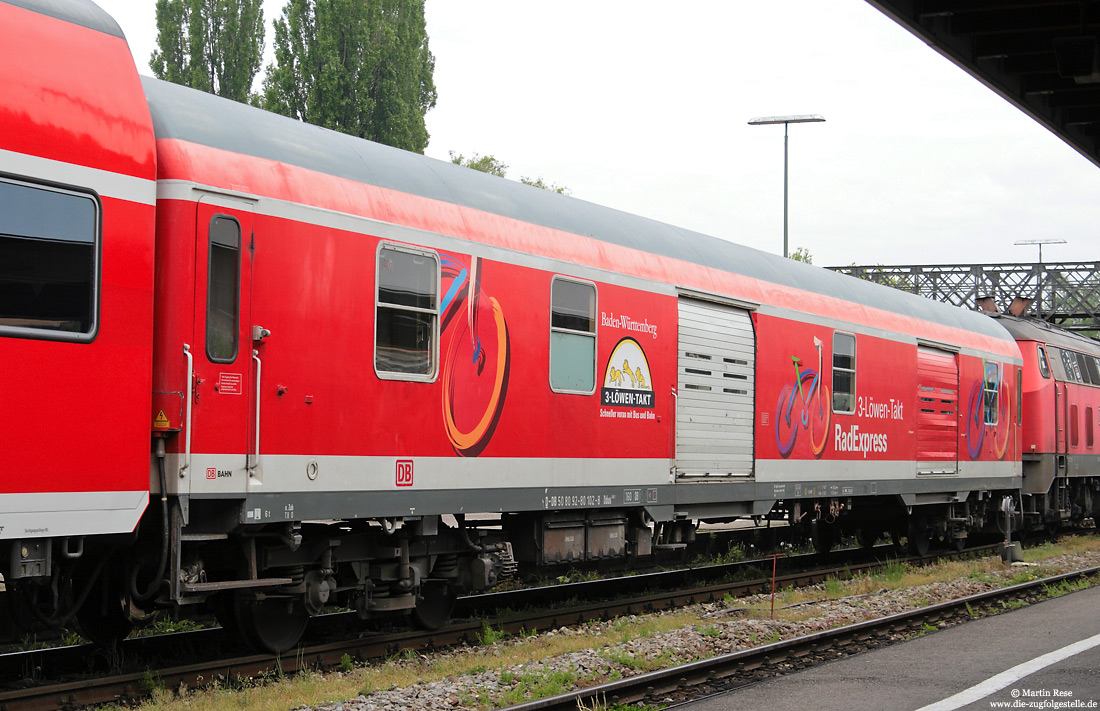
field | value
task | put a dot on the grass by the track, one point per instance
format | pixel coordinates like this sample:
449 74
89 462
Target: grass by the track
499 652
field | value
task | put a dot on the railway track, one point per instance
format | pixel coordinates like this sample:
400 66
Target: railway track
730 671
529 610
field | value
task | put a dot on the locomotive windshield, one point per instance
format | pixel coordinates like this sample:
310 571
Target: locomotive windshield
47 259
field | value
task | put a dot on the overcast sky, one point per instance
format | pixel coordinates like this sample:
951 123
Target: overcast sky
643 106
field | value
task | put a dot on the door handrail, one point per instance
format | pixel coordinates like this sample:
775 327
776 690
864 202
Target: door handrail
256 456
190 398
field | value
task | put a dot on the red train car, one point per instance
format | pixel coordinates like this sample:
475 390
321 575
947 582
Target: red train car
77 193
341 351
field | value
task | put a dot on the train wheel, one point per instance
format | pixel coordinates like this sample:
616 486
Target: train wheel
272 624
222 605
104 618
434 607
822 533
920 540
867 538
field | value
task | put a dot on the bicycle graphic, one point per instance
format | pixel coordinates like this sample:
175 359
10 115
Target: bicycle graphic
476 369
976 417
803 404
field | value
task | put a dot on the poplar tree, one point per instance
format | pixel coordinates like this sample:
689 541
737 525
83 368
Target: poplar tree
212 45
362 67
491 165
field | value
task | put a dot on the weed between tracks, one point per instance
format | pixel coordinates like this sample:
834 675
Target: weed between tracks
503 670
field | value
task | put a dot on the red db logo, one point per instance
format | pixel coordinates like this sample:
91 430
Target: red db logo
404 472
211 473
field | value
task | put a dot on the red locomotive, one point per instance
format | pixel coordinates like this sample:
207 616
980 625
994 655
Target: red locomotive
265 366
1060 450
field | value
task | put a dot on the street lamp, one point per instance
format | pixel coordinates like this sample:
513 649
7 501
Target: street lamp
1040 242
1040 270
768 120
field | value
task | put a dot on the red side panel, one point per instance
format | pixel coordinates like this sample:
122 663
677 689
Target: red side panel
1039 422
74 416
72 94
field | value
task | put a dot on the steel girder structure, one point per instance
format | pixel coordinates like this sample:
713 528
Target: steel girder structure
1064 293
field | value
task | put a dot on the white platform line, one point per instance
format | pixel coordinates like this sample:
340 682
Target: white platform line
1010 676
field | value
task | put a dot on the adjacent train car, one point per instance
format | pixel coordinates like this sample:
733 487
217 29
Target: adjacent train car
1061 432
342 351
77 194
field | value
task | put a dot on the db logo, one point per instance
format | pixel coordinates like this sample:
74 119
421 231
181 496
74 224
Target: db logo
404 472
211 473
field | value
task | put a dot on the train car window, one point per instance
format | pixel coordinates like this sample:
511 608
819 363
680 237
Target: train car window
1073 371
844 373
1090 437
1074 435
1019 395
49 262
407 308
572 336
223 290
1057 367
1081 367
1044 369
1090 367
991 392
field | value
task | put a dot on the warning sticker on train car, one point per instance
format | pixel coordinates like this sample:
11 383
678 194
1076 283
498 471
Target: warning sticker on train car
230 383
160 422
627 381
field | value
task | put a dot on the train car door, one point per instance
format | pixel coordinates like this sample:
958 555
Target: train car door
937 411
224 382
1062 427
716 380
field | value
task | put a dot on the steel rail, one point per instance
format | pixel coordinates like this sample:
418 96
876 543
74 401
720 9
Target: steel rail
728 671
60 662
132 686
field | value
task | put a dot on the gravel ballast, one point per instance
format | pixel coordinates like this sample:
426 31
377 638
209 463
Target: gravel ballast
724 627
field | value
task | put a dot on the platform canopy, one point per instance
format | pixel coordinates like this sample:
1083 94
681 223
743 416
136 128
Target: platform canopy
1041 55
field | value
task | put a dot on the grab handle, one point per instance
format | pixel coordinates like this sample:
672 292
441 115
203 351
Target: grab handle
190 398
256 450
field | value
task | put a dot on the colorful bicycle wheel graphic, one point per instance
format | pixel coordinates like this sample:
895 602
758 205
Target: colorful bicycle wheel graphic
475 378
794 413
999 448
975 421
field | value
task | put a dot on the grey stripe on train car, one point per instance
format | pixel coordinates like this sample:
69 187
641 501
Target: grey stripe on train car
194 116
79 12
351 505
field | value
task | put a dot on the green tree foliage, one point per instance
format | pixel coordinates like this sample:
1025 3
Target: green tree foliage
492 166
802 255
881 275
212 45
362 67
486 164
540 183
